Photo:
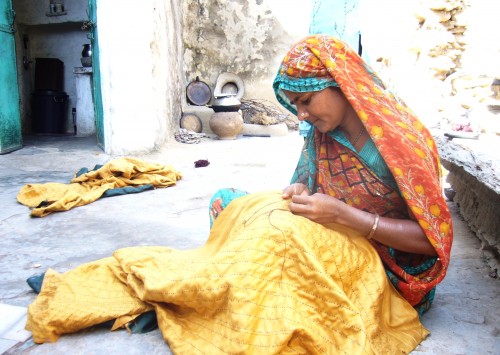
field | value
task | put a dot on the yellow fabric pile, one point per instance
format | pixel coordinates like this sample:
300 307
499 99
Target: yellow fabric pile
266 282
86 188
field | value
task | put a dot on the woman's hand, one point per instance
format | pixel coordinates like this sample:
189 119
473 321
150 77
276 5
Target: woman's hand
295 189
319 208
402 234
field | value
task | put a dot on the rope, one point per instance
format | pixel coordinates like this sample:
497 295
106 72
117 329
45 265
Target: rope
186 136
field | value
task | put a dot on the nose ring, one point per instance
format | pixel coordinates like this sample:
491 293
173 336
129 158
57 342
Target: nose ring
302 114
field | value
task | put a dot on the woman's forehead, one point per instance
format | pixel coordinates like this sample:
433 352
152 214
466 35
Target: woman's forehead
294 96
296 93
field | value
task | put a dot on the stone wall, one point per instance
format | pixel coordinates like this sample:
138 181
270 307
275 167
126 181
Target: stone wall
432 52
441 59
474 179
245 37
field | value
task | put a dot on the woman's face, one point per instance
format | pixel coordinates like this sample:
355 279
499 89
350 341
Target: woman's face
326 109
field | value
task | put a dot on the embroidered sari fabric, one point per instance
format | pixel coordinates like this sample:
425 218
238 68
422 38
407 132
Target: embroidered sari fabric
404 143
266 282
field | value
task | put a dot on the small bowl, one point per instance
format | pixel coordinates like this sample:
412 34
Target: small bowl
86 61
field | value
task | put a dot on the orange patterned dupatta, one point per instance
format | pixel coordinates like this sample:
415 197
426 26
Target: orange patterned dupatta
405 144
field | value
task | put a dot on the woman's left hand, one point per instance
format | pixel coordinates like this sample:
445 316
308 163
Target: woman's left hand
318 207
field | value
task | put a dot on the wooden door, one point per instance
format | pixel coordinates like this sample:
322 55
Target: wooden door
10 119
96 74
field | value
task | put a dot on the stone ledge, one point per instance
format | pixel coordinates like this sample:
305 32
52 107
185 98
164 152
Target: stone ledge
474 174
478 157
205 113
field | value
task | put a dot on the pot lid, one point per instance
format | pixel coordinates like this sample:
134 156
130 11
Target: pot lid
227 100
198 92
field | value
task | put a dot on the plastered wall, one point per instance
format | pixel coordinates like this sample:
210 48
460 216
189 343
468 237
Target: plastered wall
141 73
151 50
246 37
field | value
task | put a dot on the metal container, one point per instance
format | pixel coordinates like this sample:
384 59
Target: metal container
227 103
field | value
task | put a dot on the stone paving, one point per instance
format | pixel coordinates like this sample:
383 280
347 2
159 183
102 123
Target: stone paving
465 318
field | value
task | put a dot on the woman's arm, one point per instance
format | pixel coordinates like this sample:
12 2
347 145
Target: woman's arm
400 234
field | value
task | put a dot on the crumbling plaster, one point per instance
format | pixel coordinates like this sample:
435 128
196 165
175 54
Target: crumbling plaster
246 37
424 49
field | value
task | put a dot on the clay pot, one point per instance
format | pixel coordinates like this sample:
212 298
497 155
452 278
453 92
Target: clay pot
226 125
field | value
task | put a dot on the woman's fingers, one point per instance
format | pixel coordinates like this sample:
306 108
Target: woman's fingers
295 189
287 192
300 199
299 204
318 207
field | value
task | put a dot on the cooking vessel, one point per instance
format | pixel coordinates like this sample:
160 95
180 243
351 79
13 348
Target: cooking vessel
227 103
198 92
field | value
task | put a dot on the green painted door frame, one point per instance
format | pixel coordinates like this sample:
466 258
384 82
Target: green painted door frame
96 76
10 118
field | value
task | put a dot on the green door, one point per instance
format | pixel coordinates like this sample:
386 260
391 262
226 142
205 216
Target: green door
10 119
96 75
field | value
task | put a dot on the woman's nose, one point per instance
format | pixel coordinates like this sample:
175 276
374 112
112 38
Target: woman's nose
302 115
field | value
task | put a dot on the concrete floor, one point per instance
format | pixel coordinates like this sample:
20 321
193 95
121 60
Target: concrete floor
465 318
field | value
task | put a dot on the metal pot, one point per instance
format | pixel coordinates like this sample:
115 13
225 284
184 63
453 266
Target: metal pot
228 103
198 92
87 50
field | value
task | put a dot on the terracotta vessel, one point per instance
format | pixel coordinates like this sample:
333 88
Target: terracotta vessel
226 125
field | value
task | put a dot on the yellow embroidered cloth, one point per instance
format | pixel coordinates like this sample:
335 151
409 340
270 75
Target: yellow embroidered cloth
86 188
266 282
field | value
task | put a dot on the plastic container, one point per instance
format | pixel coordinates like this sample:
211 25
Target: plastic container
49 111
49 74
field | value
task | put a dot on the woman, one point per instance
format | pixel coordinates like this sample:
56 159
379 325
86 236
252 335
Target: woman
292 271
368 164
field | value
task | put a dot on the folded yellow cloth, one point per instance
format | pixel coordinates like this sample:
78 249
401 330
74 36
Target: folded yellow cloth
89 187
266 282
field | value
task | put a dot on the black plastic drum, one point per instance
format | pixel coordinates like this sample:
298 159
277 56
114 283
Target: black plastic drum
49 111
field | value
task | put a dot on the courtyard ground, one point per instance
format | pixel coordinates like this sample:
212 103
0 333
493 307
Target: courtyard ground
464 319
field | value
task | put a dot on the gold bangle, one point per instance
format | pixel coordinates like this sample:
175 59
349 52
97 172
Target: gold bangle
374 227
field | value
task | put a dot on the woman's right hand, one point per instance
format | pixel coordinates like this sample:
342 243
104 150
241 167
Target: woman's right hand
295 189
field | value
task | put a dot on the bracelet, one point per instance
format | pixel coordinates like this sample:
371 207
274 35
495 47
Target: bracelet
374 227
